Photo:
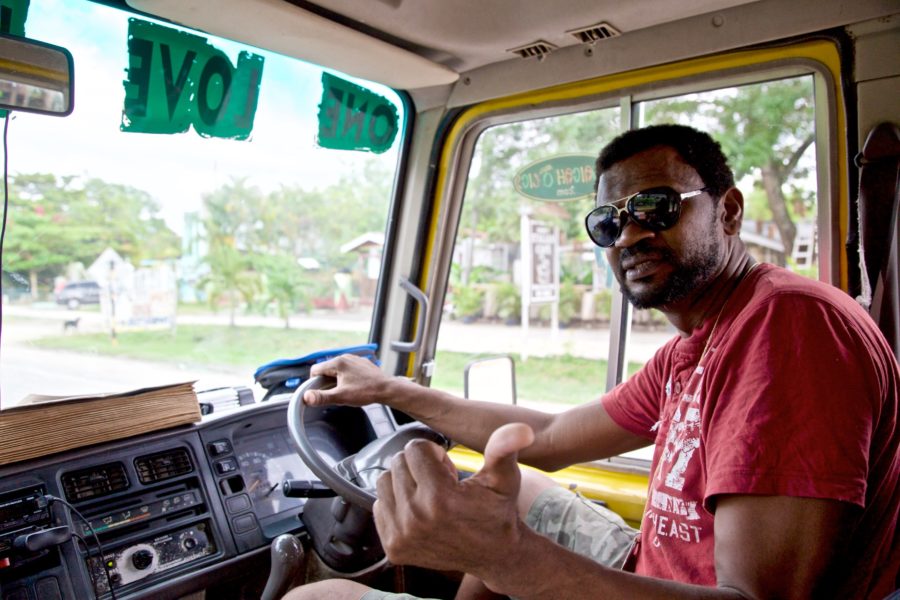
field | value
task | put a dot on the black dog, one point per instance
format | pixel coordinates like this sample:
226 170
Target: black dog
71 324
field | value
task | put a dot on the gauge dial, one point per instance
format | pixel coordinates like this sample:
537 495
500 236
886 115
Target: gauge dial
266 460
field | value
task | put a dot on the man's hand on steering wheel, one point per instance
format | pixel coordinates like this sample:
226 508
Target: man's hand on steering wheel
359 382
427 517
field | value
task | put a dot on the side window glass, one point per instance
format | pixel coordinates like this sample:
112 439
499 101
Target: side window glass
530 169
561 350
768 132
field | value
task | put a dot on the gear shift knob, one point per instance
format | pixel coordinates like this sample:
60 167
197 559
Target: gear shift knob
287 558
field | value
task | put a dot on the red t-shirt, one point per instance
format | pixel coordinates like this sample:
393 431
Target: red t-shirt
797 396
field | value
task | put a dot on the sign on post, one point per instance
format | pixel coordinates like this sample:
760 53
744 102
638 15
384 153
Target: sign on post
540 269
544 243
557 179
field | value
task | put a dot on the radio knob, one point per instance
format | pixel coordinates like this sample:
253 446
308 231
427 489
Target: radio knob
189 543
142 559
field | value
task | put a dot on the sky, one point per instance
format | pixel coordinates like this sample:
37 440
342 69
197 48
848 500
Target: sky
175 169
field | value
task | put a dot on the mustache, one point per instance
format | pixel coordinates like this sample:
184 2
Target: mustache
644 248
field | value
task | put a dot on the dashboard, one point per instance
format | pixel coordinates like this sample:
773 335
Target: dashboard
174 511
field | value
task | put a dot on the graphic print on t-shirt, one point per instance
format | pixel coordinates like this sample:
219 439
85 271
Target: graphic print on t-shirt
672 513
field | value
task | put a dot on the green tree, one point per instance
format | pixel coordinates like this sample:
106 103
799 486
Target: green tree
285 284
55 221
316 223
492 205
230 279
765 129
255 239
231 215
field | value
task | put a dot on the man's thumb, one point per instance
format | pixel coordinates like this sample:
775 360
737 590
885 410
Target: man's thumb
317 397
501 453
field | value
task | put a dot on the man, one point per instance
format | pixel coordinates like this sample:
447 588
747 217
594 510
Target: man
776 470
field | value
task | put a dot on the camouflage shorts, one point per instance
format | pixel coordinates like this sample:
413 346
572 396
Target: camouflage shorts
571 521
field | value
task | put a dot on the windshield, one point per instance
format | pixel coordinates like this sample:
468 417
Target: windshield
226 234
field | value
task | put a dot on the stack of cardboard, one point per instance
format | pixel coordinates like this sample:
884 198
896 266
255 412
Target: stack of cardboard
42 425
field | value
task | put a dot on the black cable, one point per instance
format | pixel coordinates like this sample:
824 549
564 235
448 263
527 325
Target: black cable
90 570
87 524
5 208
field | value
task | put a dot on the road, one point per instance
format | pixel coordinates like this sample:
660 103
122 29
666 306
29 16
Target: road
24 368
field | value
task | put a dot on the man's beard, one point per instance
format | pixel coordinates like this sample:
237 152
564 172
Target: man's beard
689 274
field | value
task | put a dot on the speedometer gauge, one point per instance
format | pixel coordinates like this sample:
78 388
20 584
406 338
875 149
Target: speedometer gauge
266 460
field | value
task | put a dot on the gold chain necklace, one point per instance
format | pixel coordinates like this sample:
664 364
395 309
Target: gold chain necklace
658 469
712 331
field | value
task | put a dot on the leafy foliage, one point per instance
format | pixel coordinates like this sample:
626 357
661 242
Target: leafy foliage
55 221
765 130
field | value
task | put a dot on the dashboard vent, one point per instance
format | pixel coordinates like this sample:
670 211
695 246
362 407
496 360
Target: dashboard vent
95 482
163 465
595 33
537 49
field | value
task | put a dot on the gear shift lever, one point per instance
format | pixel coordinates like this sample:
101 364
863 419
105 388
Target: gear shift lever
287 558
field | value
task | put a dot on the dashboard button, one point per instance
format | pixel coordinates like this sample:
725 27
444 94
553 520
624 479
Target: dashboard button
238 504
48 589
227 465
219 447
244 523
16 594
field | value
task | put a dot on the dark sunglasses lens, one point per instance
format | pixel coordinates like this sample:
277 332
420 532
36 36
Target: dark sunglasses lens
655 209
603 225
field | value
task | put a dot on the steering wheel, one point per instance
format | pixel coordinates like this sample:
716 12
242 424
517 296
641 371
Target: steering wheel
353 478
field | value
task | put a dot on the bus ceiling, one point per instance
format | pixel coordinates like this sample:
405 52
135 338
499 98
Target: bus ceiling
457 54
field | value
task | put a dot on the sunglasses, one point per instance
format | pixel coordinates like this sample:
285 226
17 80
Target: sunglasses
656 209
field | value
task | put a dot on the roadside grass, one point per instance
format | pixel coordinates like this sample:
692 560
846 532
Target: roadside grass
559 379
206 345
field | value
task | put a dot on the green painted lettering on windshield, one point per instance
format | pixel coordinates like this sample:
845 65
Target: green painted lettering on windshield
353 118
177 80
12 16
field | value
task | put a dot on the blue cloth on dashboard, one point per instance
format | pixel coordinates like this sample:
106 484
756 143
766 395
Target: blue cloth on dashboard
286 374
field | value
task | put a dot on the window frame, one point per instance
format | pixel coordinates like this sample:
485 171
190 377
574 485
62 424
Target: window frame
817 57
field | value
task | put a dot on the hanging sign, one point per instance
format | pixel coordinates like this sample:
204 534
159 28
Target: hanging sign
354 118
177 80
13 14
557 179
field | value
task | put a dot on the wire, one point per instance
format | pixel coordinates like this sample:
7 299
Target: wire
87 524
5 208
90 570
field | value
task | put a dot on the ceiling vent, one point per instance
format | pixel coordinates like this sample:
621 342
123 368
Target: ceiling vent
163 465
595 33
95 482
538 49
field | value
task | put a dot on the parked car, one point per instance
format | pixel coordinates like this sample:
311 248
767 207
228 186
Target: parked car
77 293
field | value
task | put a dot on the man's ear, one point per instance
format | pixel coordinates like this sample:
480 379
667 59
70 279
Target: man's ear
732 211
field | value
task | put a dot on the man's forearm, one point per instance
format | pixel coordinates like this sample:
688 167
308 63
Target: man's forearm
468 422
539 569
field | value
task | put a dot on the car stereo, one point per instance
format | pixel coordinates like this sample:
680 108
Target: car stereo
23 508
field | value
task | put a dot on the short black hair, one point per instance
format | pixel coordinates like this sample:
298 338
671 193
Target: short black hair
696 148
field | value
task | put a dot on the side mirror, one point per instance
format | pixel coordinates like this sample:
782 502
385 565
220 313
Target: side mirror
492 378
35 77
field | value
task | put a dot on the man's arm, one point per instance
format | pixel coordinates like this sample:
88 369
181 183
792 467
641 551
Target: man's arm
584 433
766 547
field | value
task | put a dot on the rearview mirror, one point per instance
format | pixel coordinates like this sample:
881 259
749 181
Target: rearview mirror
492 379
35 77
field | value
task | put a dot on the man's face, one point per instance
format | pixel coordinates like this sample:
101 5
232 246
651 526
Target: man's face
660 269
